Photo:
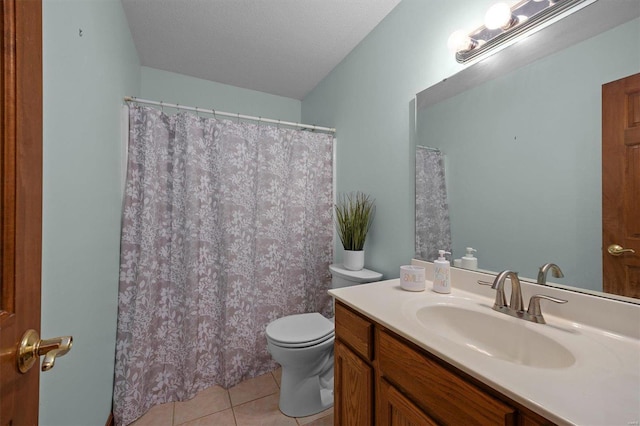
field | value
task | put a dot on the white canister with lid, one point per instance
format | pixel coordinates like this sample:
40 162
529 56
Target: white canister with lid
412 278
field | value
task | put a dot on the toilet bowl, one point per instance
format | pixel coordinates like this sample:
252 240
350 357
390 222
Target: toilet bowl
303 345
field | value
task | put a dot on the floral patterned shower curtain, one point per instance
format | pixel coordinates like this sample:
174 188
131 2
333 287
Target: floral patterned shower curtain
226 227
433 227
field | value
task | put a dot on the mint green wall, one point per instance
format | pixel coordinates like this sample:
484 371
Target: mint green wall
84 80
368 99
170 87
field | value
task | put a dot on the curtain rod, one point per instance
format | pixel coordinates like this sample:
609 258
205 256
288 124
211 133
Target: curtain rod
229 114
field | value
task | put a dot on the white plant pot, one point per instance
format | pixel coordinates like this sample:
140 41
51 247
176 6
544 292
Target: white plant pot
353 260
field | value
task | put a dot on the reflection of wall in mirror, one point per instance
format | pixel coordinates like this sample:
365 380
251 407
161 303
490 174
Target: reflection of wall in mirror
523 159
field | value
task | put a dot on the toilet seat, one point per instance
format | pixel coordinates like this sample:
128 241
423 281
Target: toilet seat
301 345
300 331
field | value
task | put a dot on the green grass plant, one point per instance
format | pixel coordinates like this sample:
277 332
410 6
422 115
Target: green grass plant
354 214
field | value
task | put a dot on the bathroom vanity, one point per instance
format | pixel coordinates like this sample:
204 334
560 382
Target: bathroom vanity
408 385
405 358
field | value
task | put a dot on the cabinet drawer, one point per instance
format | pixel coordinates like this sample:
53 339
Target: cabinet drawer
443 395
355 331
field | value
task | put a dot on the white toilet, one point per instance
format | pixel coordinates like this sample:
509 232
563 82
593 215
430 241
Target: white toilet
303 345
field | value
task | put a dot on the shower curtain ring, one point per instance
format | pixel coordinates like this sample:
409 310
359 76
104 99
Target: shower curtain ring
197 112
238 118
214 113
279 124
162 106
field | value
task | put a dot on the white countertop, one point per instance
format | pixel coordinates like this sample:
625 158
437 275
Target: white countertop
602 386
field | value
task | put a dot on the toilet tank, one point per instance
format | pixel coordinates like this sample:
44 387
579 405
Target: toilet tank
341 277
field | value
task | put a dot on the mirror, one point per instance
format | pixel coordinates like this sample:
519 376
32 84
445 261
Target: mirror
522 143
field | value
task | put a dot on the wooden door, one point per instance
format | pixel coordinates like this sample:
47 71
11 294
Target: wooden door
21 202
353 393
621 186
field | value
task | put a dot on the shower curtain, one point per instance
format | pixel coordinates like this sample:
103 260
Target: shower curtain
226 227
433 229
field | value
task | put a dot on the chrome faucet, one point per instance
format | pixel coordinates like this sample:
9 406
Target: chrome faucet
516 306
555 271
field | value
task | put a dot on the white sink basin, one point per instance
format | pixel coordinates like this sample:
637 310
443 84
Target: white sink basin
509 339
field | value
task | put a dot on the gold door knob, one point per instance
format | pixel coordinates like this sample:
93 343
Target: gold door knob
616 250
31 347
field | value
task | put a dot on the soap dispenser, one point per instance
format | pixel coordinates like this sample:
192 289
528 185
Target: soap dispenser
469 261
442 274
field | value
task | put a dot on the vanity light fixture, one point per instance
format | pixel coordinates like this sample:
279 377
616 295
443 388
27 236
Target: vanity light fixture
503 24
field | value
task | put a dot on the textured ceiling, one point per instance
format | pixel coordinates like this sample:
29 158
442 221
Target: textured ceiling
282 47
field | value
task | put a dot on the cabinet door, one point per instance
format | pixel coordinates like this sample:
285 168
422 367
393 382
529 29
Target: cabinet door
353 388
394 409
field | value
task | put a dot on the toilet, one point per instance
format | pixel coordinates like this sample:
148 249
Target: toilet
303 345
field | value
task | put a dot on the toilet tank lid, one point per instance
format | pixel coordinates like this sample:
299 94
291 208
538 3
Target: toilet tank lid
361 276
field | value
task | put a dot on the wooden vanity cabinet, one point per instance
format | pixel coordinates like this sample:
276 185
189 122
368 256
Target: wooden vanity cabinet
353 372
382 379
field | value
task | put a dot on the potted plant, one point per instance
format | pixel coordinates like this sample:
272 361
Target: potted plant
354 214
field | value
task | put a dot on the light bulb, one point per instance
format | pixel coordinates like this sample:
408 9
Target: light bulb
498 16
459 41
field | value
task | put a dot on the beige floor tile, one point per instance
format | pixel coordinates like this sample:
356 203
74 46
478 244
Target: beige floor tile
323 421
311 419
208 401
253 389
262 412
277 374
221 418
160 415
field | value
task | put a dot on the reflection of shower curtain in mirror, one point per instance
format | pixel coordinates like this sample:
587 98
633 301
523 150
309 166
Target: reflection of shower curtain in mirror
226 227
433 229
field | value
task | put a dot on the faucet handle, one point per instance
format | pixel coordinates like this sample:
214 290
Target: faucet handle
534 313
501 300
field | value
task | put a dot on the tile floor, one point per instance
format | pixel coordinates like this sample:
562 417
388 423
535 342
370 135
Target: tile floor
252 402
